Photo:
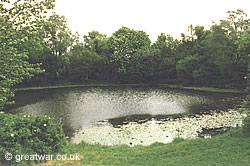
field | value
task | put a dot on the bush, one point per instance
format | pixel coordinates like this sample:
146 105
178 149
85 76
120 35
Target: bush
246 125
25 134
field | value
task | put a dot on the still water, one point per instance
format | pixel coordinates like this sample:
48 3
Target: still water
86 108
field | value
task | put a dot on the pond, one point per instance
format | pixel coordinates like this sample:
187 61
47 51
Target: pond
131 114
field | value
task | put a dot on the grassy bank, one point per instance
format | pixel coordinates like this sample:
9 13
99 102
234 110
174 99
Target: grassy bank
208 89
68 85
232 148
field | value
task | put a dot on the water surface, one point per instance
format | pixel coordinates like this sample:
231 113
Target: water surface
85 107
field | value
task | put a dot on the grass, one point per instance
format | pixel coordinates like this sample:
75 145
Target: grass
232 148
209 89
68 85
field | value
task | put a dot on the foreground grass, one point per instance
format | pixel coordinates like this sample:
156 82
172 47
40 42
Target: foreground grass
232 148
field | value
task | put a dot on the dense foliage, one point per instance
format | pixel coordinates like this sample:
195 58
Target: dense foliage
215 57
19 21
24 134
21 38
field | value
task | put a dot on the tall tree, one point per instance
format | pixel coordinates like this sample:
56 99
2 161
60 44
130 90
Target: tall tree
14 18
124 44
166 58
244 48
57 35
58 40
96 42
21 13
236 23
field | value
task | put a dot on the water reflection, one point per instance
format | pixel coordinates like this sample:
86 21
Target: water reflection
78 108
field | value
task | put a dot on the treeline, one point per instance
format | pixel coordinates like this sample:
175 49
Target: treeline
215 57
40 49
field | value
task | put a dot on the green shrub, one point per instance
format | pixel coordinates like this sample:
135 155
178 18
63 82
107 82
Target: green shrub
25 134
246 125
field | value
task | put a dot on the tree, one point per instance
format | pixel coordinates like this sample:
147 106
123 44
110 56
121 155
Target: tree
166 58
21 13
244 44
96 42
214 54
247 102
57 35
235 26
185 68
143 65
191 30
236 23
83 64
244 48
57 40
14 65
124 43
